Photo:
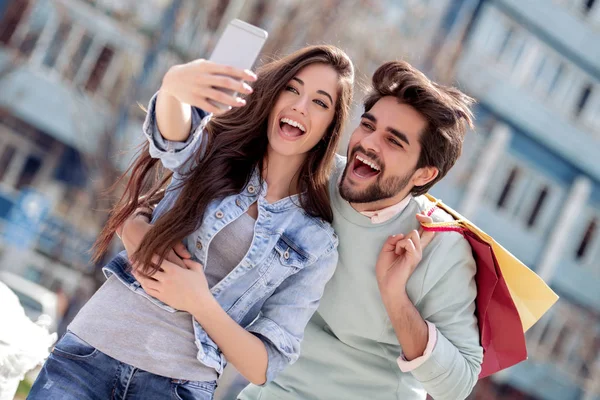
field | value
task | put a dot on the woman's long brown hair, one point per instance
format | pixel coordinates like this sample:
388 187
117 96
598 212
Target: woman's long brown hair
236 145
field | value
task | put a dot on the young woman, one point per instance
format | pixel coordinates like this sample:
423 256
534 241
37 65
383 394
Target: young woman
248 198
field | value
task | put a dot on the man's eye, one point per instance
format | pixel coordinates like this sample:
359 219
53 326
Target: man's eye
368 126
395 143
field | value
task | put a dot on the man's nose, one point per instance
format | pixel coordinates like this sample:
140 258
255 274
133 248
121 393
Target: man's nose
371 142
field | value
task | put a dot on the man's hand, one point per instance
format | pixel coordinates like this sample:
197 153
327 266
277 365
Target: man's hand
135 228
181 288
399 258
397 261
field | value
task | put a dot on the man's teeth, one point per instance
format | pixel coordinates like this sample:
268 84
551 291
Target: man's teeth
293 123
369 163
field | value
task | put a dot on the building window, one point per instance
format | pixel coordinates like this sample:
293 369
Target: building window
539 203
583 99
559 346
60 36
12 18
505 41
104 59
587 239
508 188
34 30
84 45
30 170
587 7
5 159
556 78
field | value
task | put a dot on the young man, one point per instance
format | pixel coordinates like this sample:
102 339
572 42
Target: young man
384 331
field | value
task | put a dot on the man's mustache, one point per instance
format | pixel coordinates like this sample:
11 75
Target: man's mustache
368 154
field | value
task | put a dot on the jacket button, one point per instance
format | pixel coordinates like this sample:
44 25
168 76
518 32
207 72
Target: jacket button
219 214
286 255
251 189
238 202
199 245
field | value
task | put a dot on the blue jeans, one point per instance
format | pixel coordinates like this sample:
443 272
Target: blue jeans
77 371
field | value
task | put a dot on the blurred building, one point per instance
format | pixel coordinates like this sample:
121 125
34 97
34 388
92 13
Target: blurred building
530 175
72 73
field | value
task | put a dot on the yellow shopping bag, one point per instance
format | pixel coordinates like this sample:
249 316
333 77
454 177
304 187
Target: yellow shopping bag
531 295
510 297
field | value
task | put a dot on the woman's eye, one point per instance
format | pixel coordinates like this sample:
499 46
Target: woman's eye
292 89
322 104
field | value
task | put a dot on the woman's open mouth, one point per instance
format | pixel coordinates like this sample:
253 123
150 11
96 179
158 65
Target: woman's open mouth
290 129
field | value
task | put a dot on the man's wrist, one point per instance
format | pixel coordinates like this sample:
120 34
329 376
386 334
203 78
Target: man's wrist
397 301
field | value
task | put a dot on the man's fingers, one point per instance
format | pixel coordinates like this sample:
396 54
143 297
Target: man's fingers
415 237
175 259
166 265
181 250
406 245
390 243
159 276
423 219
147 283
426 238
193 265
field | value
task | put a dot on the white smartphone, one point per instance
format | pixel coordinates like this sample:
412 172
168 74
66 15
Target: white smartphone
239 47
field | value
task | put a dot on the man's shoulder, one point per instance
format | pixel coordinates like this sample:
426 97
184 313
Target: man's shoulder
339 164
445 244
426 205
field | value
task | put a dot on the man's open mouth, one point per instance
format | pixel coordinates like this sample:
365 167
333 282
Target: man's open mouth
364 167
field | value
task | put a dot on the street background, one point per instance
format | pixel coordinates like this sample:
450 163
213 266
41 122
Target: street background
73 74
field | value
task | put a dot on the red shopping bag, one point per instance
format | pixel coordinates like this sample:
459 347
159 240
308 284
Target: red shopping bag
500 328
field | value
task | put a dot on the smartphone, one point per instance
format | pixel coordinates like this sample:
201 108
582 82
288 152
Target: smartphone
239 47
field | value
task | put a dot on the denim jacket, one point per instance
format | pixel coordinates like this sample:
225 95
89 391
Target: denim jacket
277 286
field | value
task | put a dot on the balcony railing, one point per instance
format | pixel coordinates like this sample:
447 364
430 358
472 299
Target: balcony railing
74 43
511 52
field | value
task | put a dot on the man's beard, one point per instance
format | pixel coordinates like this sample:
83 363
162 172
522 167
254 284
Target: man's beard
381 189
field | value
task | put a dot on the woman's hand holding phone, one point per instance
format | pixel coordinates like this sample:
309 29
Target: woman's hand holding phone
202 83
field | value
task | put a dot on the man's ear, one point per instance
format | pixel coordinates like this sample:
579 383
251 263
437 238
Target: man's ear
424 175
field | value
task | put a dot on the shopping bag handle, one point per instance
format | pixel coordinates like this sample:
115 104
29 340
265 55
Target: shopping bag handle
450 226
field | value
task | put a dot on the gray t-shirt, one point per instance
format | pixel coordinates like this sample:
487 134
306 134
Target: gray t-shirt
129 328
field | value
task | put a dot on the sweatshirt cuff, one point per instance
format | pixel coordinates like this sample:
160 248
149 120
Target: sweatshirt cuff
407 366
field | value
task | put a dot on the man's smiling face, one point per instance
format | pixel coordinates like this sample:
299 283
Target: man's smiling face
383 154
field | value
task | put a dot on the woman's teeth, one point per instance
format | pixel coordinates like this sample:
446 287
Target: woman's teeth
293 123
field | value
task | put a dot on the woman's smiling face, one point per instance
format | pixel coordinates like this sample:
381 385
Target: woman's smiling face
304 110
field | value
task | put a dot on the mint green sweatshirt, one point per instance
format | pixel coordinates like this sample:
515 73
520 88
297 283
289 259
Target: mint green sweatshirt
350 348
